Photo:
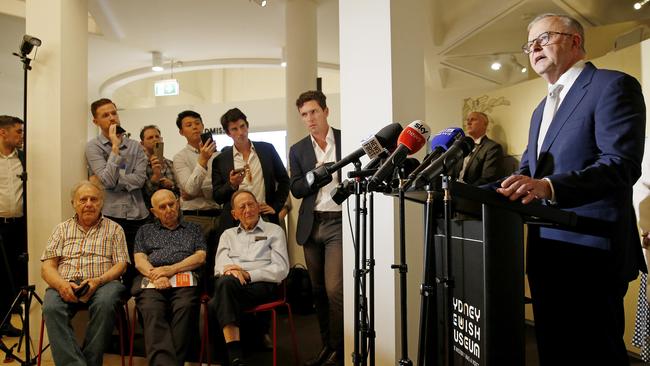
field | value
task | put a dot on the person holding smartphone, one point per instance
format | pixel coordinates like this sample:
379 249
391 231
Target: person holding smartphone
160 170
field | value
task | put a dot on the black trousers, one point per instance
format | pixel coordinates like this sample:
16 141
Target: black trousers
170 319
231 298
577 304
14 266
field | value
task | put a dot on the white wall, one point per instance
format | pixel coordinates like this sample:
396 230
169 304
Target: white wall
11 69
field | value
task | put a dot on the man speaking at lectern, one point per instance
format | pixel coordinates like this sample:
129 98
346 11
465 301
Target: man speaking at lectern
584 153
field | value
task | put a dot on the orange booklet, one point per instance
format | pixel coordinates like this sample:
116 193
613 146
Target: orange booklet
180 279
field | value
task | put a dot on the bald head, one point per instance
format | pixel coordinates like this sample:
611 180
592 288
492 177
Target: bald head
164 206
477 123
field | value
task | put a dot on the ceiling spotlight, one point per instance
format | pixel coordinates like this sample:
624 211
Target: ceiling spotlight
261 3
496 65
283 62
156 61
524 69
640 4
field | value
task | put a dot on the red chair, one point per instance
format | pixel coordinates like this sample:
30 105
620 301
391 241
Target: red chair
121 318
272 306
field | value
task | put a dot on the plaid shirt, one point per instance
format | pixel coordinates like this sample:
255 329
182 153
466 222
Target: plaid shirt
86 254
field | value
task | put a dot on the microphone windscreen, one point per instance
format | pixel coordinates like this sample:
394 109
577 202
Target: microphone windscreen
414 136
446 138
387 136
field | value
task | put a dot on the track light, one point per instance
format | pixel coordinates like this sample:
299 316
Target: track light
496 65
261 3
28 44
640 4
523 69
283 62
156 61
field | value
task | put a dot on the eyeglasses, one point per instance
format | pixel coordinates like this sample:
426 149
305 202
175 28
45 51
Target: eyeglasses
542 40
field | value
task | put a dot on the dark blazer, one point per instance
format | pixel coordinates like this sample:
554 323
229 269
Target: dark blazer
302 159
484 165
592 154
276 180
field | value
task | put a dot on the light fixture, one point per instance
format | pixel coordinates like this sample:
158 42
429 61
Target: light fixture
261 3
28 44
156 61
496 65
640 4
523 69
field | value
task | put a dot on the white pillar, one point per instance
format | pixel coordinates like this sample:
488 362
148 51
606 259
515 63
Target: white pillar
57 114
382 81
301 73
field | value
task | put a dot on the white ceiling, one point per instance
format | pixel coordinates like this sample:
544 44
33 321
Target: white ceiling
463 36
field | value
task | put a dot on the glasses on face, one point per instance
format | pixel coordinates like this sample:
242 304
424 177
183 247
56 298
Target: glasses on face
542 40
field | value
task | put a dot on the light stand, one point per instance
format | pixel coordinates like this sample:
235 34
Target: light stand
26 293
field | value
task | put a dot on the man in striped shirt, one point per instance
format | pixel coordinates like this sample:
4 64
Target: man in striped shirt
82 263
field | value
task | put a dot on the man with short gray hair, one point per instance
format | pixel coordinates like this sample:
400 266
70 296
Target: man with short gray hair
82 263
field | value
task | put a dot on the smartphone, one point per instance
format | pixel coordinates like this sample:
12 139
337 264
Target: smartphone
158 149
205 136
119 130
79 292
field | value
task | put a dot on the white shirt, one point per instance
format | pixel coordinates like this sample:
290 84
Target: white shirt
324 200
11 186
566 80
256 186
194 179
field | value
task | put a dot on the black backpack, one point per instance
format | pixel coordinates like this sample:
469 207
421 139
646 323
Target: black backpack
299 294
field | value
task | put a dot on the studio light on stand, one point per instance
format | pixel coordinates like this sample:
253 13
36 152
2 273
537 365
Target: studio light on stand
28 292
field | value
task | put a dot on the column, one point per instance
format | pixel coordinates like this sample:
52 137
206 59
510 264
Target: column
301 73
57 115
382 81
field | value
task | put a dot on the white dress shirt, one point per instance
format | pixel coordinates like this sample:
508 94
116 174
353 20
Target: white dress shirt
324 200
11 186
194 179
256 186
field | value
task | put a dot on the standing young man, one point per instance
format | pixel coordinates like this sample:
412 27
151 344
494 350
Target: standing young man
319 223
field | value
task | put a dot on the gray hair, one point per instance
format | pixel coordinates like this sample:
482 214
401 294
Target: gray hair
84 183
568 21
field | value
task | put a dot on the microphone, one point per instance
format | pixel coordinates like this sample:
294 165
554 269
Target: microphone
460 149
410 141
385 138
439 144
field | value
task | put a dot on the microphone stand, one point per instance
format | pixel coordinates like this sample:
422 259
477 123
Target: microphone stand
448 279
371 279
356 355
403 269
27 293
428 336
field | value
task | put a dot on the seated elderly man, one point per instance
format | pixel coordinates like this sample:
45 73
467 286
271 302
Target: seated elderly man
82 264
165 253
251 260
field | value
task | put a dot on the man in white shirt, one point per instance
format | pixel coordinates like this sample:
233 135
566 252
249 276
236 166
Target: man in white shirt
193 171
251 260
319 223
12 220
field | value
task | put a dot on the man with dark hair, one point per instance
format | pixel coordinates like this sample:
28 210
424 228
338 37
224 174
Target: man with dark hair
12 220
483 164
584 154
193 171
85 251
253 166
251 260
319 223
120 165
160 174
166 254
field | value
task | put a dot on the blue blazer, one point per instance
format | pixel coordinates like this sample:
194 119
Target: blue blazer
592 154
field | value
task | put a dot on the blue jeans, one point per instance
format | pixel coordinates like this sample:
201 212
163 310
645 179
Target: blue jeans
58 313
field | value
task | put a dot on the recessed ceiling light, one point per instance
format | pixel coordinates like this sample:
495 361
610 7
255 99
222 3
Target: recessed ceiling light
496 65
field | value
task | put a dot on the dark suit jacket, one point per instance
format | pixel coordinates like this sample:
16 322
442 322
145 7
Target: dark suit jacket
484 165
276 180
302 159
592 154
